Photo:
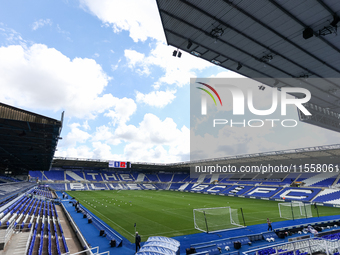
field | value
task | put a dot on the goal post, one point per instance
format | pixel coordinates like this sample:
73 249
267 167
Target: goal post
216 219
295 210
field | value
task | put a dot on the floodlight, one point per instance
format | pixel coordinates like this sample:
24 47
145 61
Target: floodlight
307 33
189 44
195 53
239 66
335 21
216 62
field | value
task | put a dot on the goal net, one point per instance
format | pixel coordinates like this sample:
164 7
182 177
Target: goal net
295 210
216 219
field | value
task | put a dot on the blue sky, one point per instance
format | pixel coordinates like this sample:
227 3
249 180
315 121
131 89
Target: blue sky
106 64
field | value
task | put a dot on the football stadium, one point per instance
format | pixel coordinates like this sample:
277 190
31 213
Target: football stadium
284 202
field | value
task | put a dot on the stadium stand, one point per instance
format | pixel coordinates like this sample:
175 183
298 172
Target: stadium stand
162 186
231 185
8 190
74 176
53 175
329 196
160 245
152 177
320 180
4 178
35 209
168 177
263 191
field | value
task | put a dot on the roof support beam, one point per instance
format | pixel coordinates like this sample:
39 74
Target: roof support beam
288 85
326 7
229 2
246 36
244 52
303 24
254 40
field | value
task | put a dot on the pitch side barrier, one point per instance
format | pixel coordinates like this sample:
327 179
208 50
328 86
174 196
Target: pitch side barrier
110 234
305 225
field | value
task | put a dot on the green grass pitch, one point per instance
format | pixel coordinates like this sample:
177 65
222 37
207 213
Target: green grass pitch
170 213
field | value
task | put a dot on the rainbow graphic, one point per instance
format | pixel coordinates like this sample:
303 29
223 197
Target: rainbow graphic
209 93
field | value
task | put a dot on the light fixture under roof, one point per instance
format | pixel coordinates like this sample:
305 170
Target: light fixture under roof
328 30
332 90
266 58
216 62
195 53
307 33
217 32
335 21
189 44
239 66
304 76
177 53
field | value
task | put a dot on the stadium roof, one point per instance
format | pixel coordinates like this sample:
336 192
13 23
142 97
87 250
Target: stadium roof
264 39
328 154
28 140
79 162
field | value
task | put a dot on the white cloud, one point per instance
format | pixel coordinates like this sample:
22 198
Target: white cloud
40 23
136 59
86 125
156 98
105 134
82 151
42 77
140 18
115 67
123 109
75 136
177 71
11 36
237 140
102 151
232 141
153 140
313 136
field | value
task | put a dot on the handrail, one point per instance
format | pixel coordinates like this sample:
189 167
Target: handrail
29 240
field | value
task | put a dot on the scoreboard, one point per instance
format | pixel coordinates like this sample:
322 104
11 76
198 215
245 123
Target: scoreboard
119 164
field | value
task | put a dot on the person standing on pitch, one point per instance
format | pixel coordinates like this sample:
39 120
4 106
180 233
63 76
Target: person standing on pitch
137 241
269 225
